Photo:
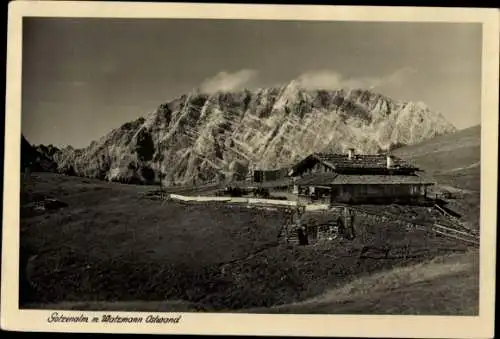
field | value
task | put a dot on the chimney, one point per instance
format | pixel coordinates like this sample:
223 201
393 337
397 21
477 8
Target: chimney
389 161
351 153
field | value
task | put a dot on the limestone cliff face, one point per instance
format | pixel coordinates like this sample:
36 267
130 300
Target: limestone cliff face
198 137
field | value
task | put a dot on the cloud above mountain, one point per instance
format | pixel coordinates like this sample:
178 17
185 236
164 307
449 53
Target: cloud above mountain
316 79
225 81
330 80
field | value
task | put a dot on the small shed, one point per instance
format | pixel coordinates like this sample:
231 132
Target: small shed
260 175
339 224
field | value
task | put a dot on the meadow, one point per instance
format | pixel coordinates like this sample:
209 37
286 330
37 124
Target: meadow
110 247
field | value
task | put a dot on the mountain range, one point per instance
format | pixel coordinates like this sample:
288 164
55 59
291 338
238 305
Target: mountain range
198 137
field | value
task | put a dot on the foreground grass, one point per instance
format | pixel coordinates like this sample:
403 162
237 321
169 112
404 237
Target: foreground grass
111 241
445 285
112 249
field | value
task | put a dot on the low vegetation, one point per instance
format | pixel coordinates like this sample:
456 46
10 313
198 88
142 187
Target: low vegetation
112 246
447 284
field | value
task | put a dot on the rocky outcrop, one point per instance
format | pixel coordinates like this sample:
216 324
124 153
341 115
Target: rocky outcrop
40 159
199 137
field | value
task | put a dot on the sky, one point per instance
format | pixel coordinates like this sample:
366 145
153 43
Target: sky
83 77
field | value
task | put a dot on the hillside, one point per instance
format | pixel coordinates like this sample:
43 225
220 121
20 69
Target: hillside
198 138
444 285
454 162
450 282
178 256
219 258
453 159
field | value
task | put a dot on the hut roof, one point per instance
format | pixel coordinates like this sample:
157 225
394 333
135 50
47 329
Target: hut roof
329 179
372 161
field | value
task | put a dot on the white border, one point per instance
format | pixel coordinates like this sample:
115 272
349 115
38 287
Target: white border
257 324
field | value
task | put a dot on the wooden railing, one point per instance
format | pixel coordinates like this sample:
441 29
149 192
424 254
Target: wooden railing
440 229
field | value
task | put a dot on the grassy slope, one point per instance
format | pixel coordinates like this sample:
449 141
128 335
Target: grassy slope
445 285
111 245
110 249
102 214
454 161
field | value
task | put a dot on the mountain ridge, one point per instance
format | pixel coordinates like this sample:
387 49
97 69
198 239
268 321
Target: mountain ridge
199 137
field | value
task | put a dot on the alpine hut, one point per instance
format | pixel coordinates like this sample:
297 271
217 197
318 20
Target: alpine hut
359 178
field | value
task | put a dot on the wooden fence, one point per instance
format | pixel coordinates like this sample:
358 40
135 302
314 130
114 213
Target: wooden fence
249 201
442 230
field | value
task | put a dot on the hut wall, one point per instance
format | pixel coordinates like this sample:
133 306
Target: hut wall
346 193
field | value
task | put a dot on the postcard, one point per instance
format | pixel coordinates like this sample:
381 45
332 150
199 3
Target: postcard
283 170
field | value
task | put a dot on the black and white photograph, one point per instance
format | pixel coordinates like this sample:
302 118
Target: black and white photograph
175 167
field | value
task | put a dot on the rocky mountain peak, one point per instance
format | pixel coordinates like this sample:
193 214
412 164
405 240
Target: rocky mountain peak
200 137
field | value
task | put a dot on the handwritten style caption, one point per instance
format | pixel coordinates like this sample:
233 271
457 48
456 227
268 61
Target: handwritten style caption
56 317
